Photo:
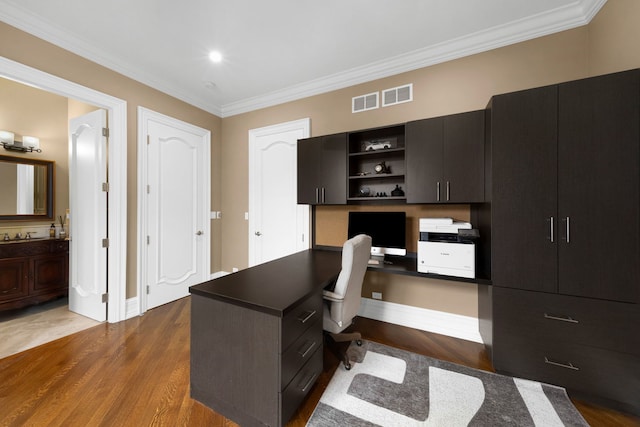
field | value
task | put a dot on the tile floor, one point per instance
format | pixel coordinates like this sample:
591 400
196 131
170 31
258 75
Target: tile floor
32 326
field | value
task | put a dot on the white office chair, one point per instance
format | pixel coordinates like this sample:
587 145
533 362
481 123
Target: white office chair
343 302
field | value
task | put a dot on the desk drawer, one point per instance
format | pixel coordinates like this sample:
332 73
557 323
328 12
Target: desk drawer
299 387
299 352
591 371
597 323
300 319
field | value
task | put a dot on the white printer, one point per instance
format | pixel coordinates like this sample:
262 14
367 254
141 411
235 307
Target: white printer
444 249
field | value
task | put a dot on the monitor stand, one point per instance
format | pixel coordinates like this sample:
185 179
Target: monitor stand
376 260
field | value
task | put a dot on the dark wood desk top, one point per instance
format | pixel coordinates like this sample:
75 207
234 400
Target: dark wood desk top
278 286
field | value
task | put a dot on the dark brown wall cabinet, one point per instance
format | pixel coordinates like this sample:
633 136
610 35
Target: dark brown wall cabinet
33 272
445 159
566 287
322 170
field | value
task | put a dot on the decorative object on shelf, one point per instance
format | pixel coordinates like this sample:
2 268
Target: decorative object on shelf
381 168
397 192
382 194
379 144
364 192
363 173
27 145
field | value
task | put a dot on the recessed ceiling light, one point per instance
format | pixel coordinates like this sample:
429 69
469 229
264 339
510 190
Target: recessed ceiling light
215 56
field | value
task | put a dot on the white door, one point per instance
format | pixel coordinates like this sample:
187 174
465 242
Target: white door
176 213
278 226
88 215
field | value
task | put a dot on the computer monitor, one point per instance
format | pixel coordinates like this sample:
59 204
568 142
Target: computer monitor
387 231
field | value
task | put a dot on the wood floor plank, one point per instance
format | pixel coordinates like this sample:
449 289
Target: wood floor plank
136 373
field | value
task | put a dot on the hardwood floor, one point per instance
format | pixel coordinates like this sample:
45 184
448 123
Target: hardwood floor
136 373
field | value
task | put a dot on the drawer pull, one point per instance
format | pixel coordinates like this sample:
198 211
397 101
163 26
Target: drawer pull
304 353
306 316
568 319
312 378
567 365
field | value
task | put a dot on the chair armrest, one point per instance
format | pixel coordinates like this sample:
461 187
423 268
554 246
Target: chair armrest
331 296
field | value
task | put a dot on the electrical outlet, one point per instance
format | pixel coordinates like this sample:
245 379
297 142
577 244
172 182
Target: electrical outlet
376 295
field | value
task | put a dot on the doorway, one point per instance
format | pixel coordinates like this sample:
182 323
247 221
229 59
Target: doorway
173 204
117 174
278 226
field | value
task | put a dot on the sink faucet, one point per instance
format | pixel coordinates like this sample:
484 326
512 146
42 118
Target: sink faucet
18 236
6 236
28 236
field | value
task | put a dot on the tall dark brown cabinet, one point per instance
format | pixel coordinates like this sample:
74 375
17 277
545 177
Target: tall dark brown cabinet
322 170
445 159
565 236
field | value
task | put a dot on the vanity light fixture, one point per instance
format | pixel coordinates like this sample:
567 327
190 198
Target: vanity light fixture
27 145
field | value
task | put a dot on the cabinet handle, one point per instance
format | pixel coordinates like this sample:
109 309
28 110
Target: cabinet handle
304 353
567 365
551 227
312 378
448 191
568 319
306 316
317 195
438 191
568 227
323 195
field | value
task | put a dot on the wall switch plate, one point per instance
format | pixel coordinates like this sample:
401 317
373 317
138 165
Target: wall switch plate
376 295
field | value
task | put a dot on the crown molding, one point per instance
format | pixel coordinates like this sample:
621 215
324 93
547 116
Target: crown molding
565 18
576 14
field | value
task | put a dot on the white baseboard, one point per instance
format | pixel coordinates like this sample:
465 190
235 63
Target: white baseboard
132 308
219 274
439 322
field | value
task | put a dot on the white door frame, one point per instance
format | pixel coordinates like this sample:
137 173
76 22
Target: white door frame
254 134
117 197
144 115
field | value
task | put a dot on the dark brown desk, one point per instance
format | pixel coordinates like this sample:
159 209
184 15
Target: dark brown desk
256 337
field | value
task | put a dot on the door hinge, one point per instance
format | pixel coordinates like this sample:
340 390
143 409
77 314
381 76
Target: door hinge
147 289
148 139
148 240
105 297
105 132
105 187
148 189
105 243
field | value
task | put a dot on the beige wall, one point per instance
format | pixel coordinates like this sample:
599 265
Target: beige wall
31 51
608 44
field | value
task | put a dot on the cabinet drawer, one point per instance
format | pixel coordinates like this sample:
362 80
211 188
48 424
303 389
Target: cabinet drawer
13 278
605 324
300 319
299 352
591 371
292 396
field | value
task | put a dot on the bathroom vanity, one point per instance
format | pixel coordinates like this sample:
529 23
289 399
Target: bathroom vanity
33 271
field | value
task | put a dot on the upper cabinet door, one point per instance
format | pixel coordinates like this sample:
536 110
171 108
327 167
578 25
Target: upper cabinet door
308 164
598 187
424 160
463 158
524 199
333 170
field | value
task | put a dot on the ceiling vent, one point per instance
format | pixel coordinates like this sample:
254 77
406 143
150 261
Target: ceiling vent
364 102
397 95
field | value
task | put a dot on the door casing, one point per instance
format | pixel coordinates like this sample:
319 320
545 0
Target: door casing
117 197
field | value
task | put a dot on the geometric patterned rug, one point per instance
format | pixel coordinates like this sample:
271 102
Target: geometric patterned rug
392 387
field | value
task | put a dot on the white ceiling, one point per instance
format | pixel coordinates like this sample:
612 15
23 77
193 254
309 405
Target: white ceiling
280 50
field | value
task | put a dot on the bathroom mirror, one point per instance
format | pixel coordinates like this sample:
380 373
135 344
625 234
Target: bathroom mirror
26 189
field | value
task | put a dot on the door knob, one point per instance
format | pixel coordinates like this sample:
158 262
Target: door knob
199 233
257 233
